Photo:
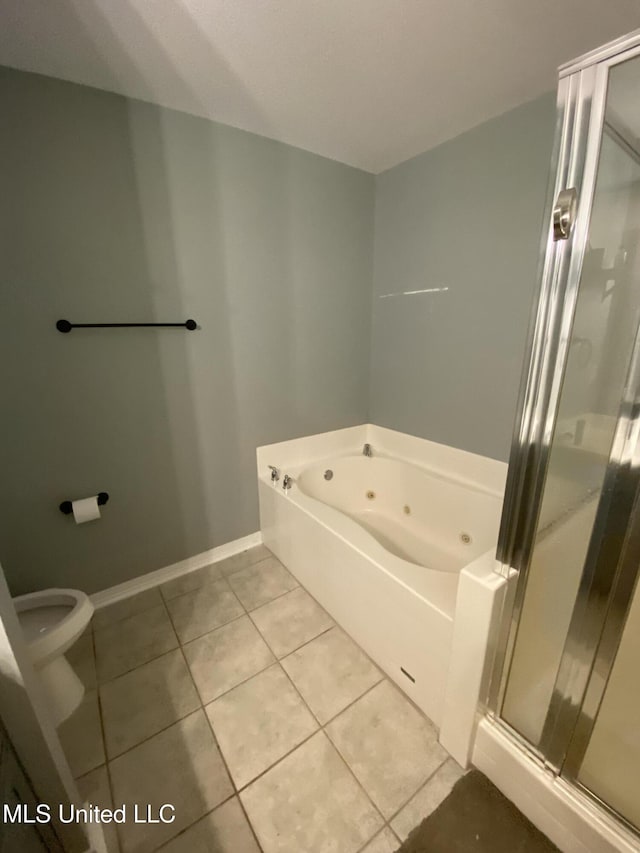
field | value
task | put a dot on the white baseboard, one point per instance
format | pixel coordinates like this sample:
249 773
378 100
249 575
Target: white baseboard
167 573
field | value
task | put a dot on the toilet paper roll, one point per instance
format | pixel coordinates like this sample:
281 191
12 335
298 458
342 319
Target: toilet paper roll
86 509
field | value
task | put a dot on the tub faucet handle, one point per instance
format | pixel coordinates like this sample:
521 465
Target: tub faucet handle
275 474
287 482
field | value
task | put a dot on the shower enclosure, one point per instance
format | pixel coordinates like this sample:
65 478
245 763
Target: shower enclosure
566 680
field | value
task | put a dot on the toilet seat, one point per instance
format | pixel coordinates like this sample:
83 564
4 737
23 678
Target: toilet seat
58 634
51 621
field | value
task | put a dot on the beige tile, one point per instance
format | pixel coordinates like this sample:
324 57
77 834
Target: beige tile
181 766
290 621
310 802
83 661
428 798
132 642
94 789
259 722
146 700
244 559
262 582
227 656
190 581
127 607
390 746
384 842
81 736
224 830
206 608
331 672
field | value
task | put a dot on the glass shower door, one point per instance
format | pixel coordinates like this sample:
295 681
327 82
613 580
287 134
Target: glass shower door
569 686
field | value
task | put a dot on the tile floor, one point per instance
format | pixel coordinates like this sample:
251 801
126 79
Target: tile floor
231 694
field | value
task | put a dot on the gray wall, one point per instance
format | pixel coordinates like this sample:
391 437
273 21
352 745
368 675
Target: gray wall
465 216
115 210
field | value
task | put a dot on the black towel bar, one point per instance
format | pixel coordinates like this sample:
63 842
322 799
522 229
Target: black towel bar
65 326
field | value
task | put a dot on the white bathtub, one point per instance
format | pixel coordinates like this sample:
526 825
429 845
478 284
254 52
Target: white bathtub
380 542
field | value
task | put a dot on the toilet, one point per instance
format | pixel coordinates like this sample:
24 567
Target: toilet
52 620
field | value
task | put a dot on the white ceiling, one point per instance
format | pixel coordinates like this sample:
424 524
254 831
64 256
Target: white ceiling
366 82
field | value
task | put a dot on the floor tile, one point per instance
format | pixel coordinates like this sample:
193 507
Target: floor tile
384 842
259 722
244 559
262 582
81 736
331 672
190 581
290 621
224 830
83 660
310 802
94 789
388 744
181 766
427 799
146 700
206 608
127 607
226 657
132 642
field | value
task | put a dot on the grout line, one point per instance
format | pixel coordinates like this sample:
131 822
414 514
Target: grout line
211 630
99 703
277 663
207 582
206 716
306 642
379 832
207 702
133 668
104 744
164 728
420 787
264 772
215 739
222 756
352 703
220 575
321 727
224 802
128 615
250 825
275 598
270 556
151 736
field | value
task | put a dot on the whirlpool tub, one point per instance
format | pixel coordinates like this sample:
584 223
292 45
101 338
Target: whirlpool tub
381 540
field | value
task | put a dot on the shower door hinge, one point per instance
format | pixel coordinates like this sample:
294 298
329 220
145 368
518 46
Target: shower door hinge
564 213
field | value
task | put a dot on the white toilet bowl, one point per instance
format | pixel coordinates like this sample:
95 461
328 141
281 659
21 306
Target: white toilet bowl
52 620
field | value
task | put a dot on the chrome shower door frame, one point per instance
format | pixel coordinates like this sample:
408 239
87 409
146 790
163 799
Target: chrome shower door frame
582 93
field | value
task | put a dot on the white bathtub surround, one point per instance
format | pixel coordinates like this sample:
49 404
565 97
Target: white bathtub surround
480 603
571 821
382 544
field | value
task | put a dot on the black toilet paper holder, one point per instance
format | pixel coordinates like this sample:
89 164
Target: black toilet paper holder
67 507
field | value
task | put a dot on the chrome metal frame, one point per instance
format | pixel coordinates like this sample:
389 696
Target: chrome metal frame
607 556
580 124
549 348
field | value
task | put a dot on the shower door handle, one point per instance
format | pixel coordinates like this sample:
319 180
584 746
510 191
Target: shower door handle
564 214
